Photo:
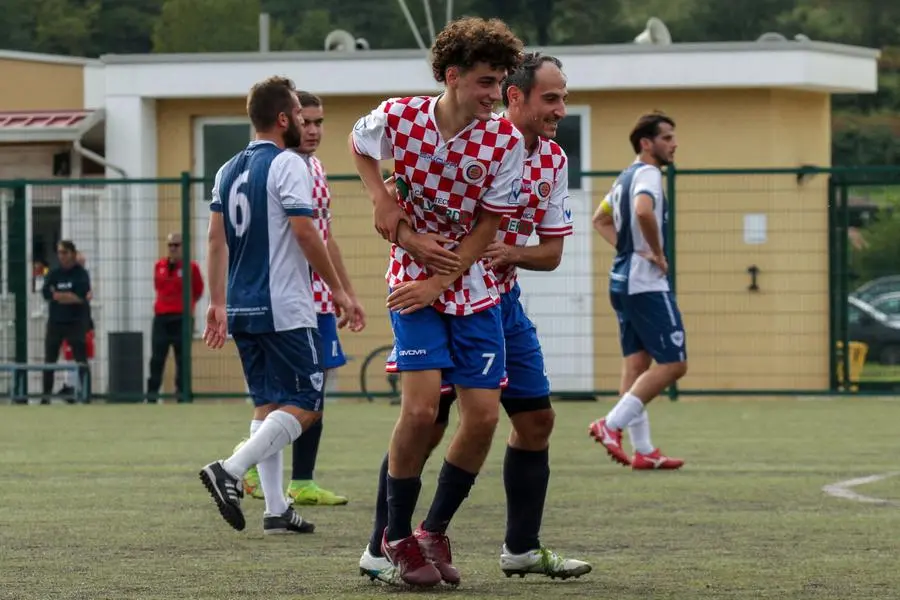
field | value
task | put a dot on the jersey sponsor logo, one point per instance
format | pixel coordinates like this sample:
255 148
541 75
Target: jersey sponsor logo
543 188
438 159
567 212
514 193
474 172
419 352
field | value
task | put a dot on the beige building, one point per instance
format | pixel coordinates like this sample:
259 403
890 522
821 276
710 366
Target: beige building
737 105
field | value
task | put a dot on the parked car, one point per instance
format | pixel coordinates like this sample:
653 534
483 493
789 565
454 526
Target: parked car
877 287
877 330
889 304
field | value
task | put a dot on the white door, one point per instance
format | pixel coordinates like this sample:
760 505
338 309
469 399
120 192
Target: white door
82 220
561 302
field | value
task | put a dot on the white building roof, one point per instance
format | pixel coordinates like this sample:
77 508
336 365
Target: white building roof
804 65
48 125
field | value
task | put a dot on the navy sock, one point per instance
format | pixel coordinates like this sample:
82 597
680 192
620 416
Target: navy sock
305 452
381 510
402 496
453 487
526 474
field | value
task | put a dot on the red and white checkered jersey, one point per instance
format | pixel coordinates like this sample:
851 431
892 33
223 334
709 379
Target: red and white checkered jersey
449 183
545 185
322 297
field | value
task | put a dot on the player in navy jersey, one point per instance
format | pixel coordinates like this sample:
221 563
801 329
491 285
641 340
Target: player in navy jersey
303 490
535 95
632 218
262 235
461 167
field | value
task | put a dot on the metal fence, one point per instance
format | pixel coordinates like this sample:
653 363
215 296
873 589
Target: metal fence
764 261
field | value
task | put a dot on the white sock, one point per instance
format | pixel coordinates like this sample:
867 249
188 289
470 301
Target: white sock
271 478
639 433
277 431
624 411
255 424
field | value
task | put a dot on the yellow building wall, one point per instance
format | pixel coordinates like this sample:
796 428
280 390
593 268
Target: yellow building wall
30 85
736 339
776 337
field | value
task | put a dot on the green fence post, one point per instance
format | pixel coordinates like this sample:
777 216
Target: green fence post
844 257
187 296
18 282
671 172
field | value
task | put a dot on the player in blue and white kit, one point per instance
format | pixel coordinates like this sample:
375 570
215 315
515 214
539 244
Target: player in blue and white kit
632 218
262 233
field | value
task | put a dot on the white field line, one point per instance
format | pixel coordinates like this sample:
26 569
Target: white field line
844 489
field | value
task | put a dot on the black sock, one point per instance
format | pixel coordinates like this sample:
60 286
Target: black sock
381 510
402 496
526 474
453 487
305 451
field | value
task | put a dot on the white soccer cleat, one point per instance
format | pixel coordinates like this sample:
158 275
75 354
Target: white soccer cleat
378 567
541 562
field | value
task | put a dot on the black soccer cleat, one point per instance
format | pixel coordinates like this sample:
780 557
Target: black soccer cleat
286 523
226 491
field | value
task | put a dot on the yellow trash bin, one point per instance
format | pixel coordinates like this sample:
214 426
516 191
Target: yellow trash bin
858 352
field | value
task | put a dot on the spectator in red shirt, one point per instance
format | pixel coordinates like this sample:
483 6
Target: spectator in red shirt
169 312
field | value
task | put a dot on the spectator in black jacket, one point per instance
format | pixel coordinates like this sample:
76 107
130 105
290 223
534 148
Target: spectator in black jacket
67 288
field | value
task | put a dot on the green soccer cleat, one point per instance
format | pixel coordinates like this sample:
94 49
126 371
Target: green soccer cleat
308 493
541 562
252 486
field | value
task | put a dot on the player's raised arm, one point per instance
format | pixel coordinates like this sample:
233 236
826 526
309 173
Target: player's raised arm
369 143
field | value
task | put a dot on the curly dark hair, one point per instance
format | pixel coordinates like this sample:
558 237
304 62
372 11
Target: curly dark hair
470 40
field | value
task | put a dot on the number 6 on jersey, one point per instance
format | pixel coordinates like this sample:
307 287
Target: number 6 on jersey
238 199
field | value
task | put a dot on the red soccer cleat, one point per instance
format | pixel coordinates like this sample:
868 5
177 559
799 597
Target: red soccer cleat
407 558
611 440
655 460
436 548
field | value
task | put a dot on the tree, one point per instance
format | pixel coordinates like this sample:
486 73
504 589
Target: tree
65 26
125 27
878 256
207 26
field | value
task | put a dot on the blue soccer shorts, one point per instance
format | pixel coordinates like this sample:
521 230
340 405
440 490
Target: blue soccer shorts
332 353
650 321
469 349
283 367
524 358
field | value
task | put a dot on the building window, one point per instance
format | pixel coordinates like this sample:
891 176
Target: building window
216 140
219 141
568 136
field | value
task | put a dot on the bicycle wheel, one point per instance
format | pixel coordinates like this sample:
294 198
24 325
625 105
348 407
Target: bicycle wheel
374 382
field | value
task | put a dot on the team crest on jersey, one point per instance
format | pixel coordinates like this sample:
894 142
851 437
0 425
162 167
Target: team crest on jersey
317 379
677 338
474 172
543 188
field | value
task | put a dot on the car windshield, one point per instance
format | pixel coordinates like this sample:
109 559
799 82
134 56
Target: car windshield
877 287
